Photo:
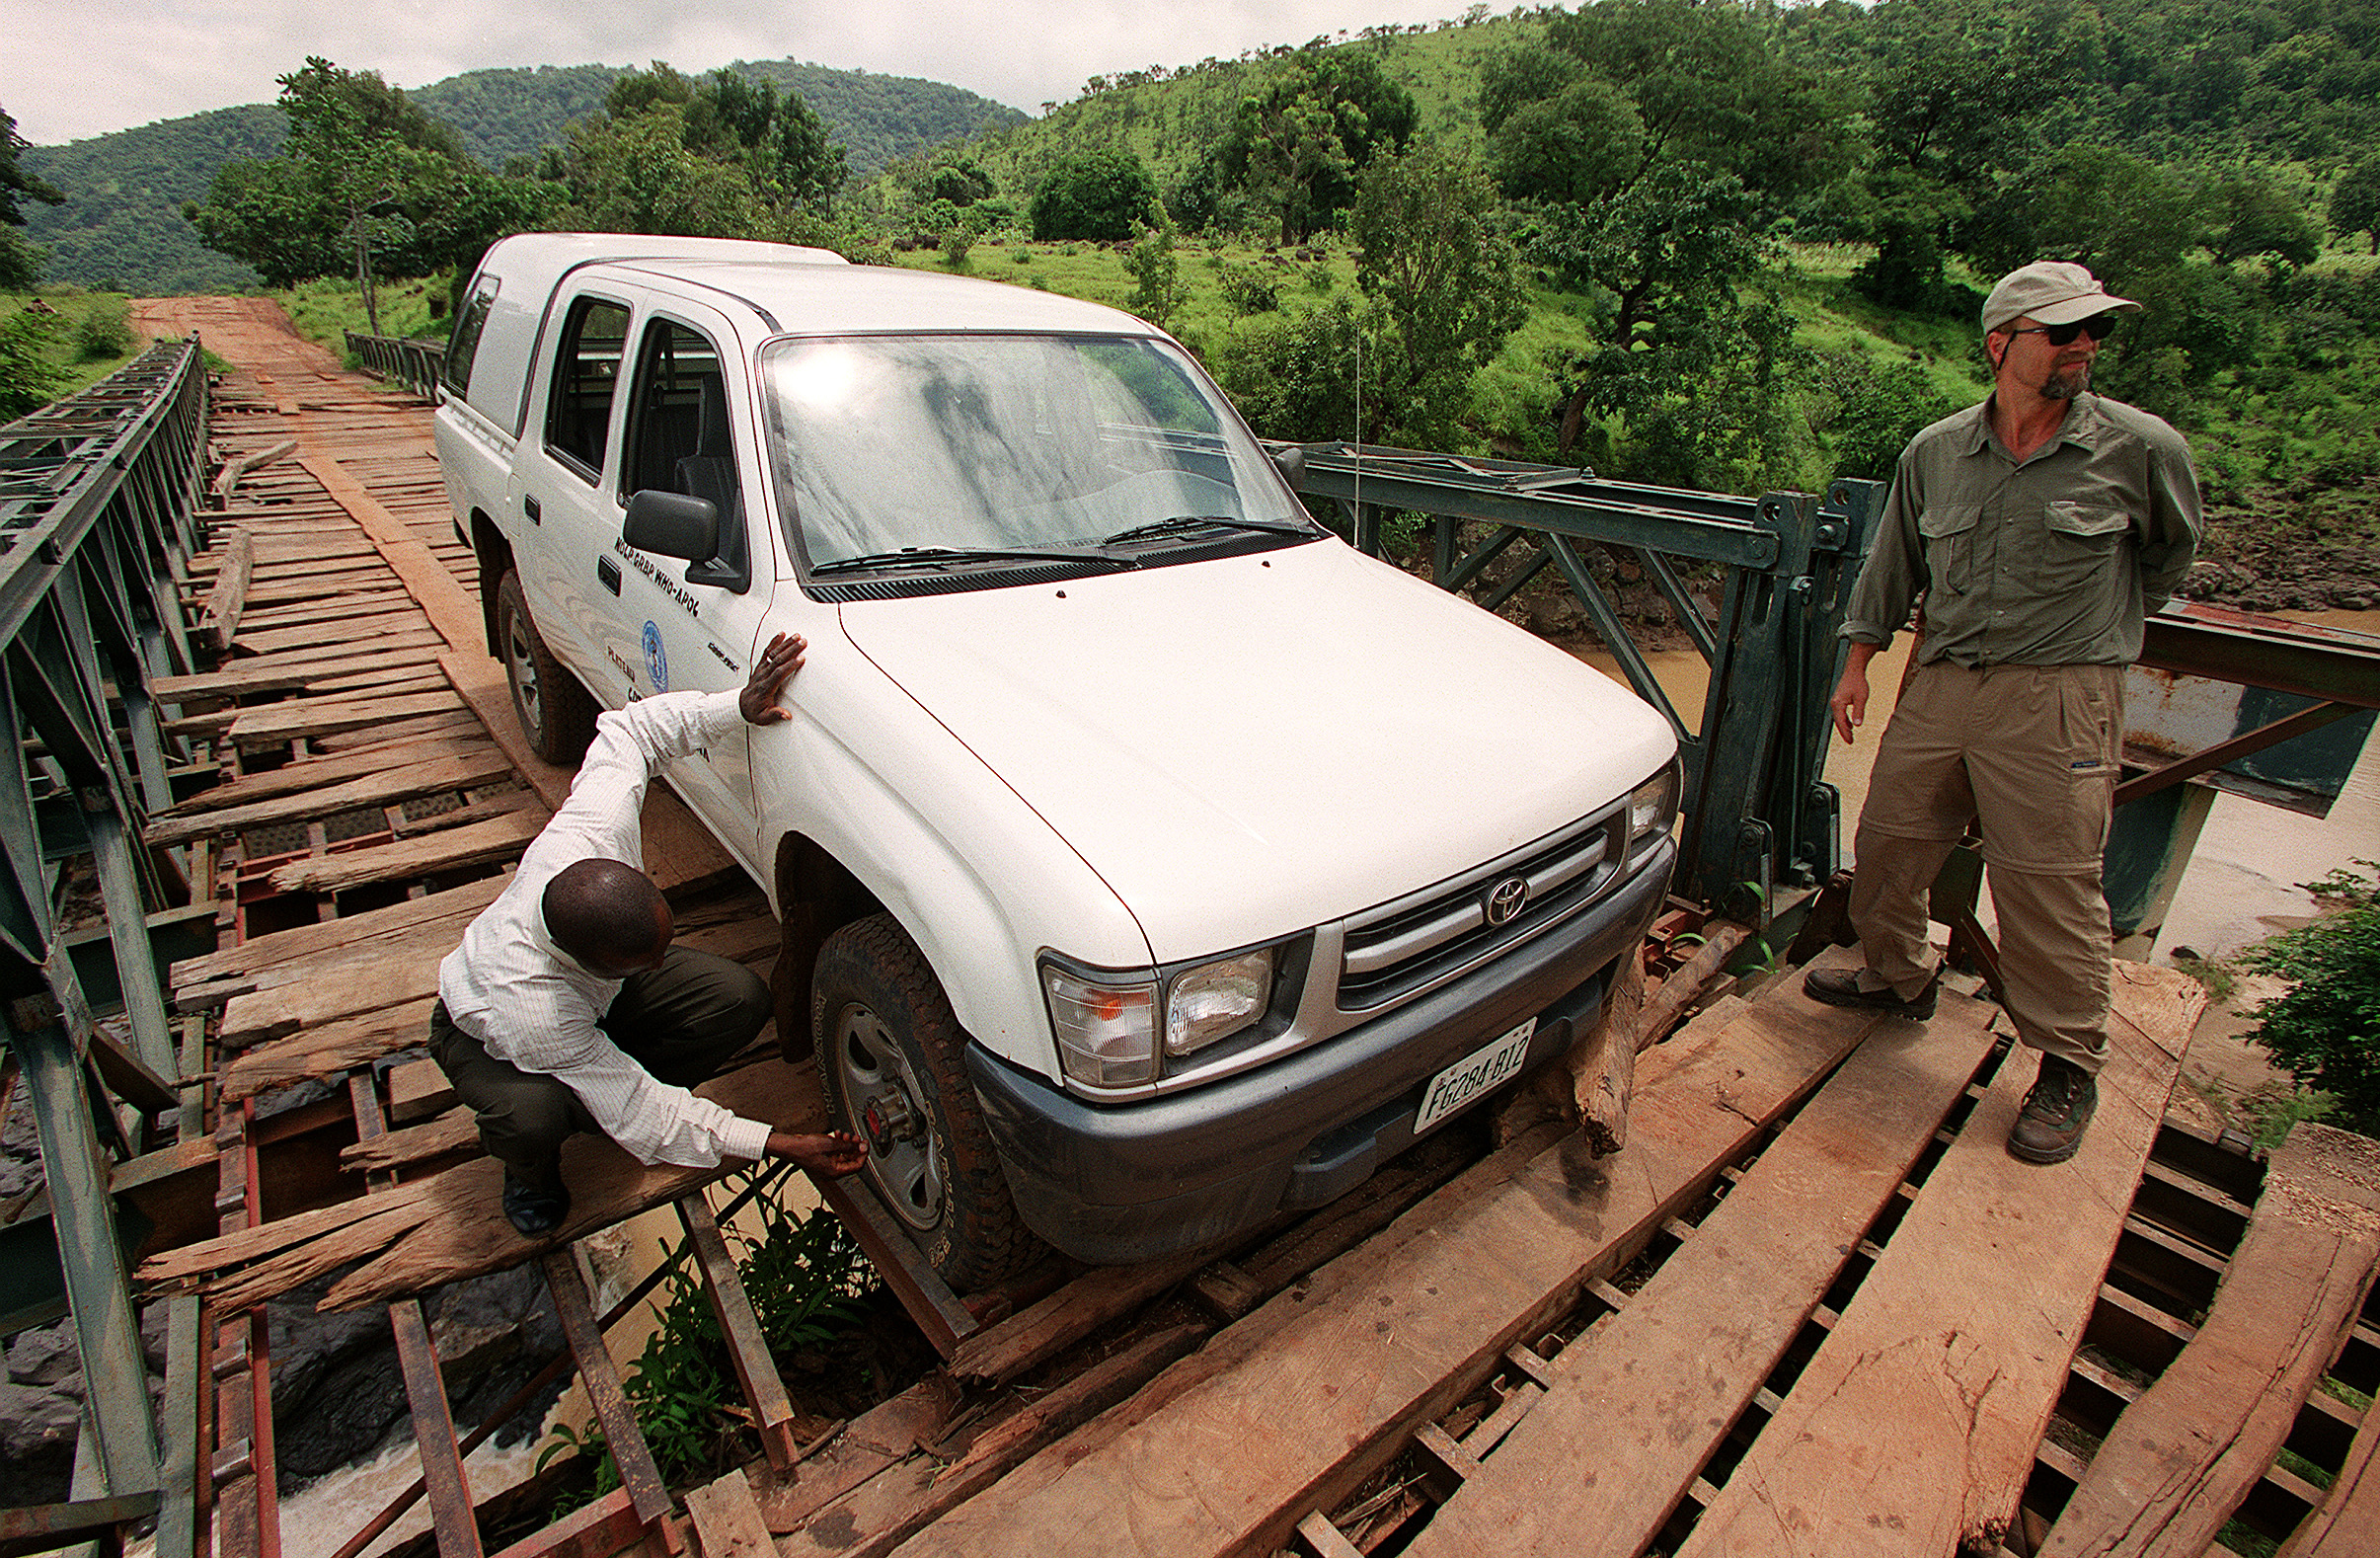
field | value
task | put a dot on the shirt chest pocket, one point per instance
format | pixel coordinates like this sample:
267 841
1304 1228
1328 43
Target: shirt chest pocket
1949 533
2079 540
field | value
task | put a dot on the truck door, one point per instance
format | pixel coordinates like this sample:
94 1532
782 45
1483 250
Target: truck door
688 429
563 515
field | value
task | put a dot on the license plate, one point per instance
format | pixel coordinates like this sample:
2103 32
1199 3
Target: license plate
1464 1081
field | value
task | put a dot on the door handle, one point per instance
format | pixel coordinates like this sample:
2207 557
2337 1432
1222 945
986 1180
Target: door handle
609 572
530 507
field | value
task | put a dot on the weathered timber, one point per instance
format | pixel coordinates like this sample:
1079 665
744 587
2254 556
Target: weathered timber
228 480
881 1437
2346 1524
501 838
417 1091
456 1131
469 1236
343 939
485 809
393 630
1602 1069
1967 1402
462 722
241 680
1637 1405
326 1051
874 1517
228 597
275 723
1666 1005
386 787
727 1523
2182 1458
1291 1408
229 1251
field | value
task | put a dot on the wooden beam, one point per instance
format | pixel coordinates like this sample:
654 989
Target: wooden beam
1966 1398
385 787
2346 1524
1637 1406
229 598
1290 1409
501 838
740 1328
269 725
2182 1459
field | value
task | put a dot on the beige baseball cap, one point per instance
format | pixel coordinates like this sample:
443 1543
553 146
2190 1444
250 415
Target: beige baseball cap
2052 292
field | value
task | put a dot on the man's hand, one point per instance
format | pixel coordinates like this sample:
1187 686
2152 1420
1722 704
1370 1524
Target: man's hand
770 673
1850 700
834 1154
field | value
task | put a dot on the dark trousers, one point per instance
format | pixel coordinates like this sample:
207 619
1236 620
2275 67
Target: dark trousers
679 1021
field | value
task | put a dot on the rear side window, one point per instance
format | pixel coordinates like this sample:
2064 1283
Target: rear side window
463 345
587 372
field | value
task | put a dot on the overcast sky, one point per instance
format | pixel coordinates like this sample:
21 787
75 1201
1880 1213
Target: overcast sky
73 68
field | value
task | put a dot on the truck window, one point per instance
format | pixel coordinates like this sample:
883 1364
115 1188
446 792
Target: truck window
585 373
678 437
464 344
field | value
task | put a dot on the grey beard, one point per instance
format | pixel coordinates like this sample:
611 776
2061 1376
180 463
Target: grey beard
2061 386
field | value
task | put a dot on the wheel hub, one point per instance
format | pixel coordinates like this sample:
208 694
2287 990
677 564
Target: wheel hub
881 1092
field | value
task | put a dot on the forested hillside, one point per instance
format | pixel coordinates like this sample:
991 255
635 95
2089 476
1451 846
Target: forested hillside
122 225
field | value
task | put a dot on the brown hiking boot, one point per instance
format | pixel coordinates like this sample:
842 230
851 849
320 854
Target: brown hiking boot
1841 987
2050 1125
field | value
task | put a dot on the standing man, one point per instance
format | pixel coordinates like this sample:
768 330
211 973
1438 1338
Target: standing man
565 1008
2038 527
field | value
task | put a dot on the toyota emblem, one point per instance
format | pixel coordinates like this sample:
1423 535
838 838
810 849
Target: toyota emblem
1507 900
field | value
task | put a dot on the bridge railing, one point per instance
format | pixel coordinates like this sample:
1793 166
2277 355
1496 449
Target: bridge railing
414 364
1756 812
98 517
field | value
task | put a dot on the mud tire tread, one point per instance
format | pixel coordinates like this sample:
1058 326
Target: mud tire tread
562 737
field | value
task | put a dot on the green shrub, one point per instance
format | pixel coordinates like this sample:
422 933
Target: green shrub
105 330
29 381
2327 1029
1250 288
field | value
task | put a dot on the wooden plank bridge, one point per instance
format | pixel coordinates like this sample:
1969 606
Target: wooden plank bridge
1809 1307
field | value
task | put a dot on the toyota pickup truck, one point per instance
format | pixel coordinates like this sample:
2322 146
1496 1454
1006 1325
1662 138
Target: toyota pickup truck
1149 861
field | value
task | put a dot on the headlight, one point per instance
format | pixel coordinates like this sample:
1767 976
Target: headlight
1107 1033
1651 807
1216 1000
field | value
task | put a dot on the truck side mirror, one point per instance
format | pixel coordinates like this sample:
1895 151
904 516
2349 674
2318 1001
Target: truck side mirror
1293 463
672 524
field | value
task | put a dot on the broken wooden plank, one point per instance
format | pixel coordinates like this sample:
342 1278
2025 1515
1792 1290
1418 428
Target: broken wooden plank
499 838
417 1090
1603 1069
275 723
185 1264
881 1437
1636 1405
727 1523
228 597
385 787
1967 1398
344 939
329 1049
469 1236
393 630
1290 1409
456 1131
2181 1460
242 681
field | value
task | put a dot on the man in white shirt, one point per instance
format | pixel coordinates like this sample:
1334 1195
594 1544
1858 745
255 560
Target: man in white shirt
567 1009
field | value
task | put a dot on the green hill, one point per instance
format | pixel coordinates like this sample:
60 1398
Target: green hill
122 225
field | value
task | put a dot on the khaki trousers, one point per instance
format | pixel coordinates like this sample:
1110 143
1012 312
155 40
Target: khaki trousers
2030 752
680 1022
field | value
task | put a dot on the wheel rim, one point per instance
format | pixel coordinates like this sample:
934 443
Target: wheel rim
880 1087
521 667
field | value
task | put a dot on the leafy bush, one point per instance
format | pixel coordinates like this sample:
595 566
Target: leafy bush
2326 1030
1099 195
1250 288
1156 277
29 381
105 330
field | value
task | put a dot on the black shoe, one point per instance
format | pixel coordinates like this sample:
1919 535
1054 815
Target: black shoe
535 1212
1841 987
2050 1125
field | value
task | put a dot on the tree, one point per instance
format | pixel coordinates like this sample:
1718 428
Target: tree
19 261
1296 146
1445 280
2355 202
1101 194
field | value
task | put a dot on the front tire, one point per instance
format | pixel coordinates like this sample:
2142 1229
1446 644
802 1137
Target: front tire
890 1059
556 713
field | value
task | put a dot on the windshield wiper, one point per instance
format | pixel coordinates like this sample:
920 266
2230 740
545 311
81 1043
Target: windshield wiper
1181 522
957 556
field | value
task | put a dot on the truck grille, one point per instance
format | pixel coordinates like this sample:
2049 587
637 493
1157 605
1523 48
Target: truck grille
1433 935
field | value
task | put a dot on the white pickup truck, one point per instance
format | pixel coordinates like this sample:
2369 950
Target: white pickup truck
1150 861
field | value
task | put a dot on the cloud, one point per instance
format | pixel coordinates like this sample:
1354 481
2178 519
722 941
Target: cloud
76 70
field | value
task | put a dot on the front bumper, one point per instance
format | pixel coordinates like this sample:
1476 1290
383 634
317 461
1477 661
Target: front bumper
1119 1183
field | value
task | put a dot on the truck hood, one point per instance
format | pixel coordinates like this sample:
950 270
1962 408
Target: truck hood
1245 747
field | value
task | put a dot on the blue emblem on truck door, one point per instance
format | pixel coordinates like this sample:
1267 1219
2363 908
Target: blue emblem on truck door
656 663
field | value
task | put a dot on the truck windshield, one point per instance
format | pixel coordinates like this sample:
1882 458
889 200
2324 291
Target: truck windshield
990 442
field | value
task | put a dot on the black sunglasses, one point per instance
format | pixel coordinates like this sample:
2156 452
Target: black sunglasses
2099 326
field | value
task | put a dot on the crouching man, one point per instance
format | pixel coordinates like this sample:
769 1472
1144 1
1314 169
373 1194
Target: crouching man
567 1009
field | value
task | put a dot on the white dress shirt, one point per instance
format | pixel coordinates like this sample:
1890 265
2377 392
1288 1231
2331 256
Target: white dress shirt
529 1002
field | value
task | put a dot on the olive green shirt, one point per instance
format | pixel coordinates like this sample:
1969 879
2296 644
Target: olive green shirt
2051 562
